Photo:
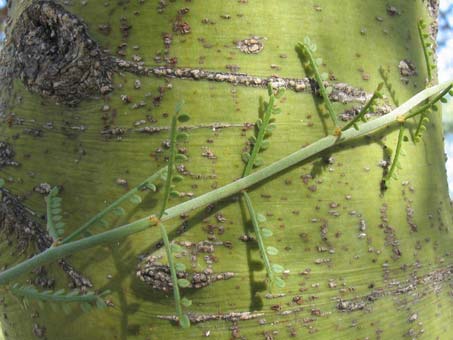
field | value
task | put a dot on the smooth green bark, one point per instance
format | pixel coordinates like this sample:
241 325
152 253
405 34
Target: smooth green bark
314 209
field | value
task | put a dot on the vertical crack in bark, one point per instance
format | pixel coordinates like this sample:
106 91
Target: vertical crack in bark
16 220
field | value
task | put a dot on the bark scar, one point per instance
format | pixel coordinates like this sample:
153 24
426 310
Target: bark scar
16 220
55 57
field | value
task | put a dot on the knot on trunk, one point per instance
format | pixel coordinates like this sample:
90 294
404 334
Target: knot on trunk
55 57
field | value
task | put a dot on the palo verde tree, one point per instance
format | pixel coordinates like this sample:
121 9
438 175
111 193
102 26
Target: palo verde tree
232 169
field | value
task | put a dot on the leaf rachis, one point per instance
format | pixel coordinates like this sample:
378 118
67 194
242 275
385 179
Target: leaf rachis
361 115
307 48
394 164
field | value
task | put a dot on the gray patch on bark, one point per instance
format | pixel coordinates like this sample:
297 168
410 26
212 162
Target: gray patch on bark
16 221
158 276
433 7
341 92
417 287
7 155
230 316
433 10
53 55
351 113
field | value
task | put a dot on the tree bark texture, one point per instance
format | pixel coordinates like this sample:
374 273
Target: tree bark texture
88 91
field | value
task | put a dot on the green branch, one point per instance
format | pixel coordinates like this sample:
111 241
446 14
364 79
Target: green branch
170 167
147 183
399 144
250 162
270 269
308 48
259 237
446 89
361 115
425 45
213 196
168 190
183 319
55 227
62 297
260 137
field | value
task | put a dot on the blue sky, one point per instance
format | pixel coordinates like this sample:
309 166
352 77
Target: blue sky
445 40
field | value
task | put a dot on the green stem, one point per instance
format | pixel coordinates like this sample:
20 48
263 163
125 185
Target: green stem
317 147
397 153
32 293
112 206
364 109
425 51
51 229
171 265
320 82
447 86
417 133
170 166
259 139
163 230
259 237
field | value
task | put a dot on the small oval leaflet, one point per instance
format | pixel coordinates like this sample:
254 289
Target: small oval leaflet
176 248
186 302
151 186
245 157
264 144
258 162
100 304
270 128
119 211
85 306
183 117
103 223
277 268
266 232
184 321
56 218
177 178
272 250
182 137
180 267
174 194
180 157
59 292
66 309
276 111
279 282
135 199
260 218
183 283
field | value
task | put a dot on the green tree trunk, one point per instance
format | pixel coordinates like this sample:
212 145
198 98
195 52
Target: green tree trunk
360 262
